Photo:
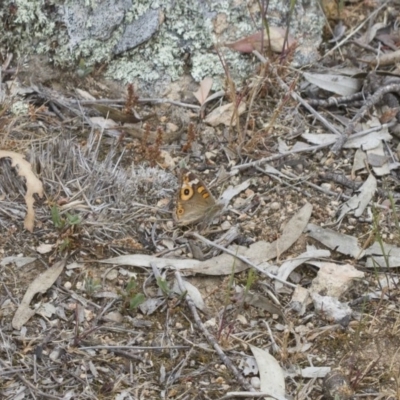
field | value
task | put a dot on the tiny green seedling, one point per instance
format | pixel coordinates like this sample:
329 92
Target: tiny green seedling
60 221
163 285
131 298
92 285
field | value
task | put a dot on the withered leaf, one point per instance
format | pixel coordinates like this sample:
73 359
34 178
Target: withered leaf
260 39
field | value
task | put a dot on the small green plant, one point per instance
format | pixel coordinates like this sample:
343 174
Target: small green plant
251 277
132 299
378 236
62 221
92 285
83 70
65 244
136 301
395 215
163 285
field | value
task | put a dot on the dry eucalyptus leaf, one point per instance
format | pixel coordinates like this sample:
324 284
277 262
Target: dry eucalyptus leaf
260 40
263 303
359 162
226 114
339 84
370 34
357 203
40 285
271 374
337 241
204 90
386 257
84 94
294 228
377 156
192 291
18 261
290 265
103 123
315 372
33 184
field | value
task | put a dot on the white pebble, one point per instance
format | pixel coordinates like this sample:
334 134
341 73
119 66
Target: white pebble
255 382
275 206
68 285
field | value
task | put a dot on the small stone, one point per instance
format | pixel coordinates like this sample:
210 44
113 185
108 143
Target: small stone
337 386
114 316
275 206
171 127
242 319
55 354
113 274
226 225
211 155
239 202
255 382
250 226
68 285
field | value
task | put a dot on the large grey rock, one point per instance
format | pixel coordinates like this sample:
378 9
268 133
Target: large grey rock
99 22
156 42
138 31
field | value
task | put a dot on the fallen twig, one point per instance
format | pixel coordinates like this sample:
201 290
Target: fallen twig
281 155
101 347
335 101
243 395
140 100
228 363
354 31
369 103
296 96
31 386
239 257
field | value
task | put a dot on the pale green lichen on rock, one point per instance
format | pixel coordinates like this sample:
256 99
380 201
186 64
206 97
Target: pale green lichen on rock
29 11
28 22
188 27
140 7
20 108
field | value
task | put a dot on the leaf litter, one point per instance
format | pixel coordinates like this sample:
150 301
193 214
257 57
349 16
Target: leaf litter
261 274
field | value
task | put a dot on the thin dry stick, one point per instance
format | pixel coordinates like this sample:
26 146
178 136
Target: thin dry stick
369 103
352 33
140 100
228 363
278 156
32 386
311 148
296 96
243 395
241 258
101 347
336 101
